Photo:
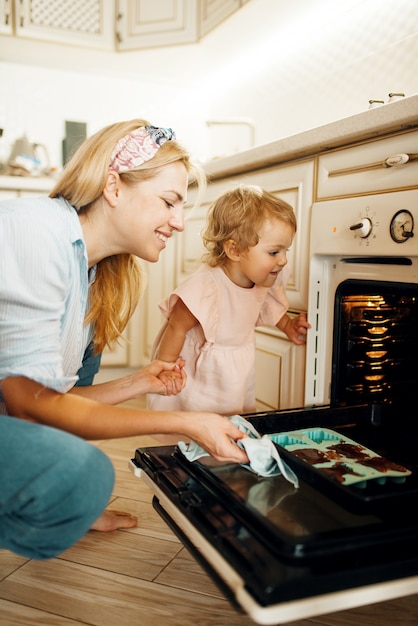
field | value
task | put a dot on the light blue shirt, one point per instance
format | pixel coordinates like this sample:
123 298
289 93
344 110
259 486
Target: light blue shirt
43 292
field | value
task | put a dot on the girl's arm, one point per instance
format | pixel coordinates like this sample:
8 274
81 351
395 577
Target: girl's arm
172 339
92 420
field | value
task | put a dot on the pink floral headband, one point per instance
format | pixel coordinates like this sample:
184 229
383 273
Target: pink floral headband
138 147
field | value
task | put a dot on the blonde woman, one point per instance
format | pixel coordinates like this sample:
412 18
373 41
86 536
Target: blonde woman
70 277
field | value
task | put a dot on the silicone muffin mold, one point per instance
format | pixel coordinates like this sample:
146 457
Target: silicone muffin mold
339 458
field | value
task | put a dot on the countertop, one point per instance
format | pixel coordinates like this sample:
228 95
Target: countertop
382 120
27 183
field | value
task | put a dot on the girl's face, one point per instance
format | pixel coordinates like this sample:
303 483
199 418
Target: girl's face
261 263
148 213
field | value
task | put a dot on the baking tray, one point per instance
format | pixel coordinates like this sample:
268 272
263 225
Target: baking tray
340 458
390 451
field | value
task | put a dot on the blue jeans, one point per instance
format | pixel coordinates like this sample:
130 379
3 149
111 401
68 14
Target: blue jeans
53 486
89 367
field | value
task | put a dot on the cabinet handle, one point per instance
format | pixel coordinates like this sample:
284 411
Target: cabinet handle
400 159
118 32
395 160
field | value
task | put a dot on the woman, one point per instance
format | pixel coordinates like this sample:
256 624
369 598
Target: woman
70 276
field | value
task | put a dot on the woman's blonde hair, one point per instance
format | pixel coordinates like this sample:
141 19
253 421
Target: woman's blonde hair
239 214
119 281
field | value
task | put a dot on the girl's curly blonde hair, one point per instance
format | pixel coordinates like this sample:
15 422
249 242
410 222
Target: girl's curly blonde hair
239 214
119 280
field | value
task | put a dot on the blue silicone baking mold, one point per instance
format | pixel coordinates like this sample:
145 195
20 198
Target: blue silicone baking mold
341 459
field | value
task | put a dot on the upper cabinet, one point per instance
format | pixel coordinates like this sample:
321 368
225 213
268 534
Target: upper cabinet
115 25
88 23
6 19
147 24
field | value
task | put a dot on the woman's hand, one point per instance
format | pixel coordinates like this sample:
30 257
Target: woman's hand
164 378
217 435
149 379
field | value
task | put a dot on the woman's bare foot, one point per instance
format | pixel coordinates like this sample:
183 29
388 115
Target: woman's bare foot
112 520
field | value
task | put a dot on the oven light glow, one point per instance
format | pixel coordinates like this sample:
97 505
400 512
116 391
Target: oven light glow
376 354
378 330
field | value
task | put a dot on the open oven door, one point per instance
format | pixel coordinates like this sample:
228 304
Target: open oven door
282 553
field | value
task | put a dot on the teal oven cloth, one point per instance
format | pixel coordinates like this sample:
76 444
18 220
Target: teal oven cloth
264 458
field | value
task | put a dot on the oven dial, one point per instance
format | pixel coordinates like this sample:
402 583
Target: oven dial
363 227
402 226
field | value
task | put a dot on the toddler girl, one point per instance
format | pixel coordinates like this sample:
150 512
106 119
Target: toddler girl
212 316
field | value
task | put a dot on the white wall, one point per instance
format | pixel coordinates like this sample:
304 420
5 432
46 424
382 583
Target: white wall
283 66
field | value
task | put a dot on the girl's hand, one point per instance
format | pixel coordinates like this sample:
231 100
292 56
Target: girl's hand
174 380
296 328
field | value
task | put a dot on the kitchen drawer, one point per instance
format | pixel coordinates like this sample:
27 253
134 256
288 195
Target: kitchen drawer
363 169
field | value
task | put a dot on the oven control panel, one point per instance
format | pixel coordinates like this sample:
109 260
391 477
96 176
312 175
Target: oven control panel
402 226
381 224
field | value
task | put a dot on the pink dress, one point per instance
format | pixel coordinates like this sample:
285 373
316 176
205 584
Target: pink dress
220 350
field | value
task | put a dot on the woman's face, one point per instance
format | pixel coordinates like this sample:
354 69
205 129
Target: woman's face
149 213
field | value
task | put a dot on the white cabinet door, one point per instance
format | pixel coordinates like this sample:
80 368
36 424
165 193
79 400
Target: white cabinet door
280 371
6 22
213 12
117 355
144 326
151 23
87 23
145 24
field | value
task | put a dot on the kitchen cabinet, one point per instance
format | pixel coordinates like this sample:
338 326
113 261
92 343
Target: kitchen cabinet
6 22
375 166
117 25
89 23
148 24
160 282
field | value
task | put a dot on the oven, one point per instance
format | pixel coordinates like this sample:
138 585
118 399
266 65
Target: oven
363 285
348 534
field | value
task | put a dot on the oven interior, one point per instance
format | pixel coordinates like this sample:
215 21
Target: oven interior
375 345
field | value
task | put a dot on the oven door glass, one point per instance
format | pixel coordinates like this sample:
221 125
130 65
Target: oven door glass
375 343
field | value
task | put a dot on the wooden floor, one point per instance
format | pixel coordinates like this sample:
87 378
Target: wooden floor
140 576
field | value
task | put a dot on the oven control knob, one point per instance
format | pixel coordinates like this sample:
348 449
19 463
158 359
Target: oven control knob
363 227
